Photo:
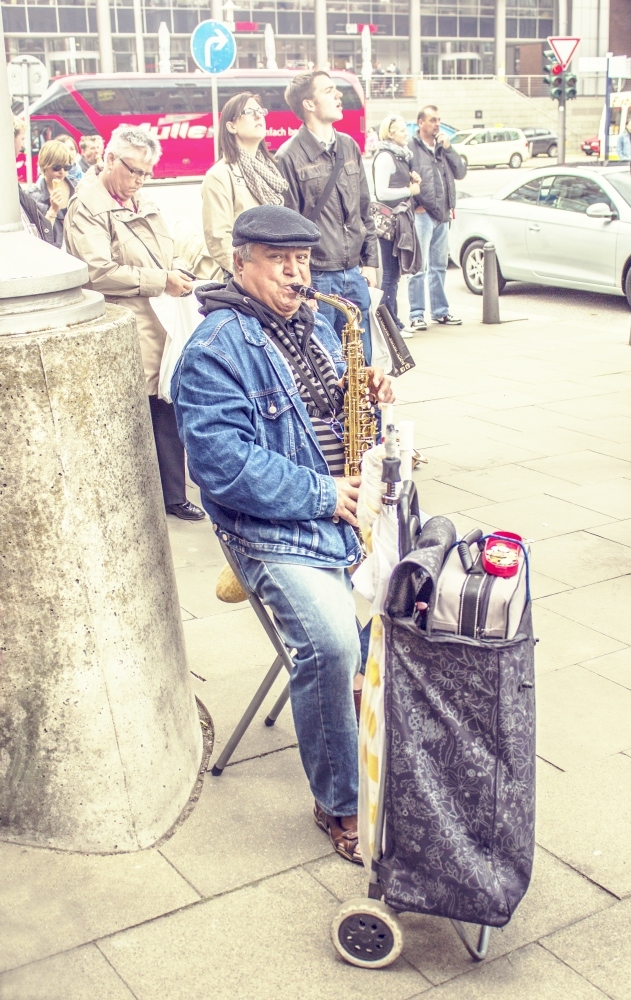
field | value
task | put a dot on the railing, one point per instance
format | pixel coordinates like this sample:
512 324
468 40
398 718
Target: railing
397 86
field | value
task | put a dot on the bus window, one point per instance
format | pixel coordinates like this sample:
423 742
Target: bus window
270 94
161 100
109 100
63 104
351 101
42 131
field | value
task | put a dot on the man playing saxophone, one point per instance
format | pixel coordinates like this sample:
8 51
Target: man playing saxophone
259 401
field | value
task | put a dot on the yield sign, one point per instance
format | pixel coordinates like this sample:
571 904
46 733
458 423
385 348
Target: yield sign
564 48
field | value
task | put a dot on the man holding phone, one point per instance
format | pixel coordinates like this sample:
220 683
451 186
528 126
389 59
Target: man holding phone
129 252
439 166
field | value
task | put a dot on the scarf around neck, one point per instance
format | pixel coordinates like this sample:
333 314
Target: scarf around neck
294 334
400 152
262 177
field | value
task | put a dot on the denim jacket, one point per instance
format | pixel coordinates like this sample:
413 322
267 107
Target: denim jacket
251 446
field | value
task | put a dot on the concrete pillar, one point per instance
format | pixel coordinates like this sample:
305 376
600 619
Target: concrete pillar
321 31
416 64
139 36
104 28
500 39
100 741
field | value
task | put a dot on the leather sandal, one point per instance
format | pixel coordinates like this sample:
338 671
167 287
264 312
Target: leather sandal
344 841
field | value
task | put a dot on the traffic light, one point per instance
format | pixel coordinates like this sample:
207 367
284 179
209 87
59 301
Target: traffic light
556 87
550 62
570 87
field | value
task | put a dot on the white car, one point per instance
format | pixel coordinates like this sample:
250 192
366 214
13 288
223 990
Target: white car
491 147
569 227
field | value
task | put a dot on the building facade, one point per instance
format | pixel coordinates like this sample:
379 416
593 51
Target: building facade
439 39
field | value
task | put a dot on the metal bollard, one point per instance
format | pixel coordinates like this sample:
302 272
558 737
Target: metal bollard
490 292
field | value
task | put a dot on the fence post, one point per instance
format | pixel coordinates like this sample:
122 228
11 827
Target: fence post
490 291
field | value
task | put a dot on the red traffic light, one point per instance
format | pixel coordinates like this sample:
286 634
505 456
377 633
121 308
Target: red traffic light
556 70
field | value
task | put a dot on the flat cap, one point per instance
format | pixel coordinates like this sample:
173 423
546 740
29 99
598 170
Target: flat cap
275 226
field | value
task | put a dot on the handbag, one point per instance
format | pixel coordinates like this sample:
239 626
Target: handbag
384 219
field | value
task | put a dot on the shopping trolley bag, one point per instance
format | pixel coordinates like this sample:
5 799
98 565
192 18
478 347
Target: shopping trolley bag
460 753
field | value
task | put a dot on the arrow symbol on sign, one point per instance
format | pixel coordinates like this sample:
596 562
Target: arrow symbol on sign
218 41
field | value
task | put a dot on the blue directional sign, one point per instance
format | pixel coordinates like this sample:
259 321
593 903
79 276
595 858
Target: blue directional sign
213 46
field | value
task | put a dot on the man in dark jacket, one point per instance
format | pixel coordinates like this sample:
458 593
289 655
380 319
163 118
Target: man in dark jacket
438 166
307 160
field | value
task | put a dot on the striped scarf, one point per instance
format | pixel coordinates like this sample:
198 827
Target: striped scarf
263 178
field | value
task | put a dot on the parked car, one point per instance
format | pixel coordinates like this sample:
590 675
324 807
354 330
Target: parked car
542 140
449 130
491 147
591 146
568 227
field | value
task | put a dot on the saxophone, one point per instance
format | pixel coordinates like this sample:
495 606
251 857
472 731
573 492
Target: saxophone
360 426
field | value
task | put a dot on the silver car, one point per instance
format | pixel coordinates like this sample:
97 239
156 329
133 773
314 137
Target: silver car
569 227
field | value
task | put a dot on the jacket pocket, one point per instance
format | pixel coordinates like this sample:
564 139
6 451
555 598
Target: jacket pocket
276 428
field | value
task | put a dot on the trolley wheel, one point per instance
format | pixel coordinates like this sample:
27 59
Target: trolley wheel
367 933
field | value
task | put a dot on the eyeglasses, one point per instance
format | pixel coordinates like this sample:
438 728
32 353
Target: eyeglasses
143 175
61 166
255 112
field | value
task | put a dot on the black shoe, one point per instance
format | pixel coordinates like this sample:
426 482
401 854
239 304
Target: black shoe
187 511
448 320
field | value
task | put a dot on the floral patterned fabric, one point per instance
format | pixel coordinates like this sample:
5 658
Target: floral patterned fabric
460 775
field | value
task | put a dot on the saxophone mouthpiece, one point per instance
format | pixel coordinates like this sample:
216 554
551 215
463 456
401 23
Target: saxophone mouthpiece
305 290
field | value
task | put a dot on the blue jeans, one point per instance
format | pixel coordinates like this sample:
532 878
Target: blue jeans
314 612
350 285
390 280
433 237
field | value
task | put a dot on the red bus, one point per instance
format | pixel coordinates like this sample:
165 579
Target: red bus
177 109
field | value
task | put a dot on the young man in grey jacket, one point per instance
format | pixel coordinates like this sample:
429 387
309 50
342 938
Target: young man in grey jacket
439 166
345 261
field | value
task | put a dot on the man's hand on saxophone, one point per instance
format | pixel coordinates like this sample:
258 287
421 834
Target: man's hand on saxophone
381 386
347 493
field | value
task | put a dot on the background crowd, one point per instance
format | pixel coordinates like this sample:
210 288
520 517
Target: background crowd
88 201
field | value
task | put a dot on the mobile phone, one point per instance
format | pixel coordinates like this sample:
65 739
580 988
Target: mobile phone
187 274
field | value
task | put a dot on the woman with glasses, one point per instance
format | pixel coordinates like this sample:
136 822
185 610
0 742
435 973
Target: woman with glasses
55 187
245 175
129 252
395 183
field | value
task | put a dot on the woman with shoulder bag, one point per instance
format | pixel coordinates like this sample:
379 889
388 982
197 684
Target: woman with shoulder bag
395 184
245 175
129 252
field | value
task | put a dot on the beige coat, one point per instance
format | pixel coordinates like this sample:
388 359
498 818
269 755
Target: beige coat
224 196
119 263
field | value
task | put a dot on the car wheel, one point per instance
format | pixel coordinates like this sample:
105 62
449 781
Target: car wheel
627 286
588 152
473 268
490 166
515 161
552 150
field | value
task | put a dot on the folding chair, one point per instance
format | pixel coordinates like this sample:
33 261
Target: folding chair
283 659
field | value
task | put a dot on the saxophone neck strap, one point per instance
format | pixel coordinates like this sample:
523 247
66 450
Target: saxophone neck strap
319 398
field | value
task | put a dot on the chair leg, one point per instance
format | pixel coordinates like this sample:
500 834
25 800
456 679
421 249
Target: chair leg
248 715
278 707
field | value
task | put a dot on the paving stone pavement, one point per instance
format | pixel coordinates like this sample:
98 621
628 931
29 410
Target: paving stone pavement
527 426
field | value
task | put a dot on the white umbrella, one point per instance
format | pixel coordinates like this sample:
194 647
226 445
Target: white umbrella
366 57
380 530
164 48
270 47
